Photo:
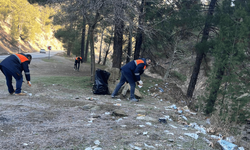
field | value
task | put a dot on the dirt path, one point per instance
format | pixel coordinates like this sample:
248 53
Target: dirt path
57 116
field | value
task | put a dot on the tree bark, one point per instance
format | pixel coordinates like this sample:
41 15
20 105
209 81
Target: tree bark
118 36
83 39
87 46
138 42
100 53
200 53
214 91
92 47
129 44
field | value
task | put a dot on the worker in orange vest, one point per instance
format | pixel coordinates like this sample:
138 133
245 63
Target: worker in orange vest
77 63
12 66
131 73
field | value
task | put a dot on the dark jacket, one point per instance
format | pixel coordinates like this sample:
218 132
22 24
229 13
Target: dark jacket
137 68
16 63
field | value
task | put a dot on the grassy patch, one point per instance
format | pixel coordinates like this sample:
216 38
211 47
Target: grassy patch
148 82
178 75
69 82
49 60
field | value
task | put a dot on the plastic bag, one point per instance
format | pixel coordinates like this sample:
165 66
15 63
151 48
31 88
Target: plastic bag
101 82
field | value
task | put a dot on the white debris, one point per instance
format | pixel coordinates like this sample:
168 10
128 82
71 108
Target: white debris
196 126
193 135
184 117
145 133
123 126
141 126
149 146
149 123
107 113
225 145
134 147
97 142
173 126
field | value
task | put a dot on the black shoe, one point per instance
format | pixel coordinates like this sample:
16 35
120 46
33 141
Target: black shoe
134 100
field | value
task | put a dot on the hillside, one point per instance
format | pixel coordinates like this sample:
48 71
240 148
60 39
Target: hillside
42 41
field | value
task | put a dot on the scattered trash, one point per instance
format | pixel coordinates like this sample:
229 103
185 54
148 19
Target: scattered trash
140 115
208 121
241 148
97 142
230 139
91 98
170 140
184 117
179 111
162 120
119 120
123 126
145 133
215 137
25 144
30 94
149 146
168 117
181 137
193 135
196 126
134 147
107 113
225 145
117 104
161 90
141 126
149 123
173 126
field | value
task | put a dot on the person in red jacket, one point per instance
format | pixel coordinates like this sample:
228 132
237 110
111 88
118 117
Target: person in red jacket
77 63
131 73
12 66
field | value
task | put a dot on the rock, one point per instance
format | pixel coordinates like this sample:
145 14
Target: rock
119 113
146 118
114 75
127 88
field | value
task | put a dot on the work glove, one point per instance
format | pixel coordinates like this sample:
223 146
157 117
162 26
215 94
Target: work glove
140 82
29 83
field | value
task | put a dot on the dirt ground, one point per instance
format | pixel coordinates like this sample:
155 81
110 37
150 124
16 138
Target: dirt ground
59 117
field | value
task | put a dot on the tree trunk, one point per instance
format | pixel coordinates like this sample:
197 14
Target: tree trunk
200 53
92 47
171 63
138 42
100 53
129 44
87 47
83 39
118 41
214 91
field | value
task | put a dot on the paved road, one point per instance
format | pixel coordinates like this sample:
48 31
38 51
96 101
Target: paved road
36 55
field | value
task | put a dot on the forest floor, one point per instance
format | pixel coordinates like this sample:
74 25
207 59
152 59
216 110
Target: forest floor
60 111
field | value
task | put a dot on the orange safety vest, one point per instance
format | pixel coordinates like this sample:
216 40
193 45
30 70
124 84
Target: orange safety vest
21 58
139 61
79 57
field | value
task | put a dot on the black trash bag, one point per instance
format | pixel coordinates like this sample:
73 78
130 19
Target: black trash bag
101 82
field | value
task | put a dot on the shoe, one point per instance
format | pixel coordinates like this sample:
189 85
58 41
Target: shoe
13 92
20 94
112 96
134 100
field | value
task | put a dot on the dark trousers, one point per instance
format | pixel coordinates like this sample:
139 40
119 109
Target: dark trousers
77 65
8 76
126 77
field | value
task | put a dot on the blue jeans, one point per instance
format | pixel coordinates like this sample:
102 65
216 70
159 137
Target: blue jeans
126 77
8 76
